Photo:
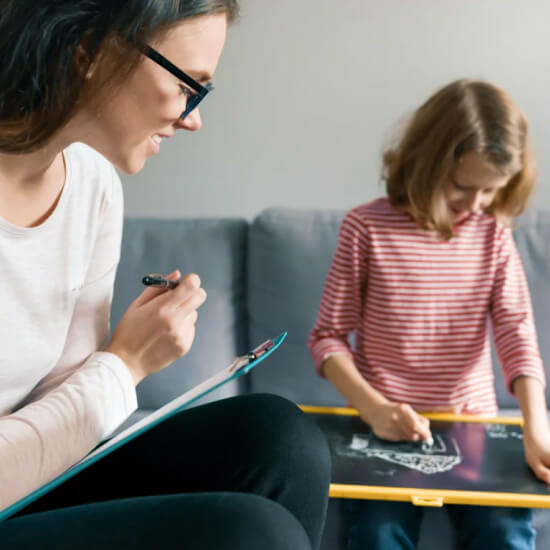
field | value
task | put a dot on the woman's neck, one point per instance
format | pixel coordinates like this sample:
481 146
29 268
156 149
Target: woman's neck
30 186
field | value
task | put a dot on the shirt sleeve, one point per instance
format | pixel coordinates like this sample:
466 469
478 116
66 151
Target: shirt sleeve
89 392
343 294
512 316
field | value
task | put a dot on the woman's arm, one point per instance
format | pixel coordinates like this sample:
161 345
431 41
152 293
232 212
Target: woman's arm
89 392
44 438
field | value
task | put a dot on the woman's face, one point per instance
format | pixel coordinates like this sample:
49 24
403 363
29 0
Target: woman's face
472 187
146 108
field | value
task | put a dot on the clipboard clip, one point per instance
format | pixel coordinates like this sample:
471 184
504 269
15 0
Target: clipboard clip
247 359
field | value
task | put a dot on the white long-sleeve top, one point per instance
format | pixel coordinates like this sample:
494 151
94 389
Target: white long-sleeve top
59 395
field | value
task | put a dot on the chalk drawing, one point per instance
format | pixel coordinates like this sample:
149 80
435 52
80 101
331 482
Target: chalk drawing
502 431
442 456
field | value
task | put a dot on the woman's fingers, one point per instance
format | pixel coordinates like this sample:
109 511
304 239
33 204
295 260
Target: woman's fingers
151 292
188 289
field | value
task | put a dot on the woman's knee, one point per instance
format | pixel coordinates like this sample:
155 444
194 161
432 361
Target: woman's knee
251 522
202 521
292 436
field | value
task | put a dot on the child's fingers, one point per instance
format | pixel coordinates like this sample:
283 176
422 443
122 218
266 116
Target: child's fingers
417 427
424 431
541 471
407 422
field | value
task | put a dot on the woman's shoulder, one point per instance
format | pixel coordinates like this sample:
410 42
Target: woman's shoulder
91 172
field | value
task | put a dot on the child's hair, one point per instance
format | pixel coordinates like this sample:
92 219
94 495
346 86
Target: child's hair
48 47
463 117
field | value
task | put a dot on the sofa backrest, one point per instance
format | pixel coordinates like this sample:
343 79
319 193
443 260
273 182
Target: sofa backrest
289 254
216 250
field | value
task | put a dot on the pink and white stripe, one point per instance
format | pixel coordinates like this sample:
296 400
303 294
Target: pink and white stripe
421 309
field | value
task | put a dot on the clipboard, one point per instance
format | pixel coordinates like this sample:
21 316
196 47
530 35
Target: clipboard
474 461
241 365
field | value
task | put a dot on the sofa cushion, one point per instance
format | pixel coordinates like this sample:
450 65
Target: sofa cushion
215 250
290 252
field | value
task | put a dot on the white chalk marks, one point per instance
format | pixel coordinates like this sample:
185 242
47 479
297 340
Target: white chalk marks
442 456
502 431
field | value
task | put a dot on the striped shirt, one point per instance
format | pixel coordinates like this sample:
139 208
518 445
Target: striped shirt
420 308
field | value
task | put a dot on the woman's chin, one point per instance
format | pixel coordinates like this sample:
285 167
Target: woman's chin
132 164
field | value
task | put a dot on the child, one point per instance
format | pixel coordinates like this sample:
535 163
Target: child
417 275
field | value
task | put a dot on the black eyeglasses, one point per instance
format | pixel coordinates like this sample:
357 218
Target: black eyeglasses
193 99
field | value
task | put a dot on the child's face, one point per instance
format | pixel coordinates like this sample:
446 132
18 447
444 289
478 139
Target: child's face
472 186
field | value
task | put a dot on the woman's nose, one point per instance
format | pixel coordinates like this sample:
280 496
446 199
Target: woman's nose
192 122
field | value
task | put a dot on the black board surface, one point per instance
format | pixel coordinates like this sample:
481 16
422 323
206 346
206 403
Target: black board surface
465 456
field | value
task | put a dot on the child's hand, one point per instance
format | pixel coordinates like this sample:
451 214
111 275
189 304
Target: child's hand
537 454
398 422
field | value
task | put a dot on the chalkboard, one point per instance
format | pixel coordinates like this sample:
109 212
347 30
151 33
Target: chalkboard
465 456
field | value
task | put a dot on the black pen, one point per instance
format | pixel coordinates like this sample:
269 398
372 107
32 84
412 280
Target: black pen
158 281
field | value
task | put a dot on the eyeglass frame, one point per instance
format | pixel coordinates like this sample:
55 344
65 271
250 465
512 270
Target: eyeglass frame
201 91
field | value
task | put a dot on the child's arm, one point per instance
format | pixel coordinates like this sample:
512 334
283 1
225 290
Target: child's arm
512 316
339 315
536 430
343 293
390 421
518 351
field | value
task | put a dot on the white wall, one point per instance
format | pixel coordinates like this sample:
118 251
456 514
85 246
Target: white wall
309 91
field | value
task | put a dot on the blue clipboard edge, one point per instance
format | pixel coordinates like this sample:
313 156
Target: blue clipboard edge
35 495
433 497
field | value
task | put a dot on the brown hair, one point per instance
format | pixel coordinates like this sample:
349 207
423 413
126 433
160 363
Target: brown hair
463 117
48 49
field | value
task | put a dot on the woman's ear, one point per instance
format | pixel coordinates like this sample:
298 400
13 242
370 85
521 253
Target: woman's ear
82 59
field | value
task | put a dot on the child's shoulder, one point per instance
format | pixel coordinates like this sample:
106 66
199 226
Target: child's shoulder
378 211
482 223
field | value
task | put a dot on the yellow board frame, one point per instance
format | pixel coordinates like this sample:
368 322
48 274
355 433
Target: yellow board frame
433 497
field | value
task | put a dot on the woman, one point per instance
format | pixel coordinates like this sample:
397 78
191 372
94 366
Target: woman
81 84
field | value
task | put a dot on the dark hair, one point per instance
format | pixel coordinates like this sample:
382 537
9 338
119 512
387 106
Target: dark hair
48 47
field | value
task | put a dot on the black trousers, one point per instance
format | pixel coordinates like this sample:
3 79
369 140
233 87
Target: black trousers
249 472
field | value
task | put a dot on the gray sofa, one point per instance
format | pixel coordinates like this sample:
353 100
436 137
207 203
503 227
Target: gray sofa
264 277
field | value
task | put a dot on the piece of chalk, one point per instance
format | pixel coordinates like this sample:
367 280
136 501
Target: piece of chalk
430 441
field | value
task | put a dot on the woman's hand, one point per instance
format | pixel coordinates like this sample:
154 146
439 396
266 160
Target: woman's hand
537 453
397 422
158 327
